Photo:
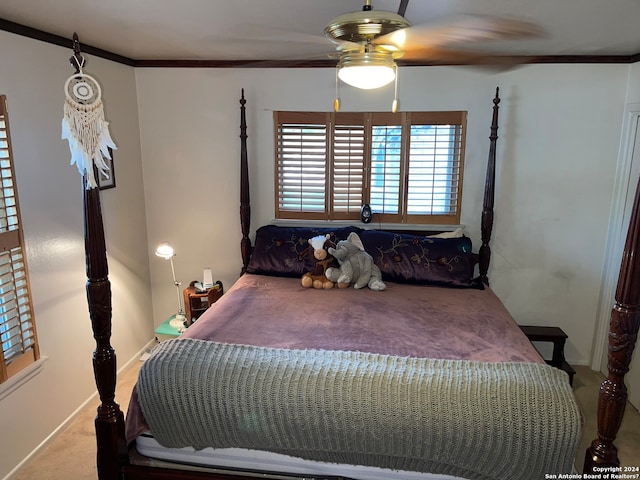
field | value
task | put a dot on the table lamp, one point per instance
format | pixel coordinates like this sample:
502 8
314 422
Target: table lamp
165 251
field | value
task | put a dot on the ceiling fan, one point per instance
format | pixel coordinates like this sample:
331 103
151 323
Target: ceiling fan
370 41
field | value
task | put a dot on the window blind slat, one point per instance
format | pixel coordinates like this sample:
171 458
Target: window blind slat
434 167
348 168
301 164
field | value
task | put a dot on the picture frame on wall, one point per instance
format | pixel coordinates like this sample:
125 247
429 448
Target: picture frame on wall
106 183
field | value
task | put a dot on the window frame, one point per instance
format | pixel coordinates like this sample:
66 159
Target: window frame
14 273
332 123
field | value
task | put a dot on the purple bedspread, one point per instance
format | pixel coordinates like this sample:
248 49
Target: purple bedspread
405 320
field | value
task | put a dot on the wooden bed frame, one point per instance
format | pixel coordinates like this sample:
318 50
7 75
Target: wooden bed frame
113 456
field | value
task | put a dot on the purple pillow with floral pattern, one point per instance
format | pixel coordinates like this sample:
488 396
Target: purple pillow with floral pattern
405 258
284 251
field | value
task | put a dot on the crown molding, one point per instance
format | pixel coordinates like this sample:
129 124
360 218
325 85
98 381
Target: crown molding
36 34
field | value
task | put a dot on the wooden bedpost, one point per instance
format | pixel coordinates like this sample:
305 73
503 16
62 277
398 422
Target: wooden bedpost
623 333
489 194
109 422
245 208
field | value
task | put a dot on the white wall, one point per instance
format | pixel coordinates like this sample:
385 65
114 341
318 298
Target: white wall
633 91
559 135
33 76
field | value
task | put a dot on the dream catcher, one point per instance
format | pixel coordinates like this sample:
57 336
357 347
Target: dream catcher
83 124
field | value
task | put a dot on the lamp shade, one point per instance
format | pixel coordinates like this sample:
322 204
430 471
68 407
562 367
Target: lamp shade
165 251
367 70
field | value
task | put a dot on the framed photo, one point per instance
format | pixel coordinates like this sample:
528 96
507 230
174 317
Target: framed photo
106 183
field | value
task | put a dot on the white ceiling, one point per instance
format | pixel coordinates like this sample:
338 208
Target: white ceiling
289 29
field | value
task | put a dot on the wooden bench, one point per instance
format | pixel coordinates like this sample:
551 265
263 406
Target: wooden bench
556 336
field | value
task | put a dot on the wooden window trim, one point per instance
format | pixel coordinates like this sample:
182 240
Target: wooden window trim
370 119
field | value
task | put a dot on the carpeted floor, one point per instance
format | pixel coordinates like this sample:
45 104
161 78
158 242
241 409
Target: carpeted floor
71 455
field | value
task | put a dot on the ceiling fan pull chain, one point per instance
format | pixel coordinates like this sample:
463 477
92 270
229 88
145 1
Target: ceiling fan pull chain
394 104
336 102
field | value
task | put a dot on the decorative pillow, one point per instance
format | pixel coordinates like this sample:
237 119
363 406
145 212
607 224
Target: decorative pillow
457 233
407 258
284 251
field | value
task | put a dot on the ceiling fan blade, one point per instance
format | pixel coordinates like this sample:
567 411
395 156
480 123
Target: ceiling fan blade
253 45
446 56
248 34
468 29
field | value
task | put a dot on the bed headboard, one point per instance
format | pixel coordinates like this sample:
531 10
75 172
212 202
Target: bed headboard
484 254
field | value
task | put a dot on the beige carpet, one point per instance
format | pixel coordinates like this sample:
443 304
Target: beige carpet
71 455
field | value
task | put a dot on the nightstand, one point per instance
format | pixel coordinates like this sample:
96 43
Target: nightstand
197 301
556 336
166 331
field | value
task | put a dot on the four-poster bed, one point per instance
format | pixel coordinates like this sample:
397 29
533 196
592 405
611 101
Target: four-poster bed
519 361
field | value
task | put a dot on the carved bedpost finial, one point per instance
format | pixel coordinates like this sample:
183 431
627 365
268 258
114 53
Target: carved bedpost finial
489 195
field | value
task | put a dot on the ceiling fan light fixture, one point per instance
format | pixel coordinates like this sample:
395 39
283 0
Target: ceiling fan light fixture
367 70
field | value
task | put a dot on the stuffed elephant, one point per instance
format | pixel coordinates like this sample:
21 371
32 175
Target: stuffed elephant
356 265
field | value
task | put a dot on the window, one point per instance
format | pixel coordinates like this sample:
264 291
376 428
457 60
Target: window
407 166
17 328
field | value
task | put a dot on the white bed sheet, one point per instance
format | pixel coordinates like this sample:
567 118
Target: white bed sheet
238 458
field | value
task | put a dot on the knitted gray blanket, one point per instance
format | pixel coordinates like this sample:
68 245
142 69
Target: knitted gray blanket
470 419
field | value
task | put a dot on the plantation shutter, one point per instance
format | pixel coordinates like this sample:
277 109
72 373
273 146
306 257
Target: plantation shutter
301 165
407 166
436 146
348 166
17 328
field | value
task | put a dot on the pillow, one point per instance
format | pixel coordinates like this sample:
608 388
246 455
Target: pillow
457 233
405 258
284 251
